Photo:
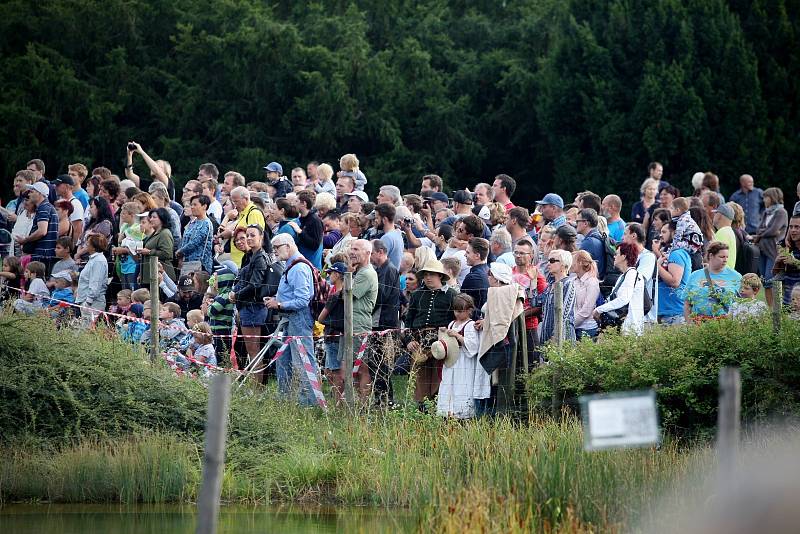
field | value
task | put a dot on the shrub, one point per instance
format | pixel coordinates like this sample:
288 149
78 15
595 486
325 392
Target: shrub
682 365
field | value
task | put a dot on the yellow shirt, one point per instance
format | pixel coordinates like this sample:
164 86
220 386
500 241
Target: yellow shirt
727 236
249 215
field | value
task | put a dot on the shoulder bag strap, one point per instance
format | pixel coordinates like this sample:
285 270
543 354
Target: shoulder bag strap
712 289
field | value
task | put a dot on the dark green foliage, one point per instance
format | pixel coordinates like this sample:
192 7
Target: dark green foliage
682 364
566 95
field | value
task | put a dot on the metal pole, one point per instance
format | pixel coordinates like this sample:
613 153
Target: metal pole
219 396
154 308
347 361
777 303
728 425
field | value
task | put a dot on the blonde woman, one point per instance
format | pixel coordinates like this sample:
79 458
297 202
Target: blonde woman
587 289
649 190
160 170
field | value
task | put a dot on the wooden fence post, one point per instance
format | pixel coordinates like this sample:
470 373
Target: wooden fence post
219 396
777 304
347 361
155 305
728 425
558 335
524 344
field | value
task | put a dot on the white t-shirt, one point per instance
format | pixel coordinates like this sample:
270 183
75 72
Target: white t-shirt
39 290
215 210
77 210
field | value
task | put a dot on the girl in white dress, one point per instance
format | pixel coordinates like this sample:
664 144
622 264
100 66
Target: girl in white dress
456 389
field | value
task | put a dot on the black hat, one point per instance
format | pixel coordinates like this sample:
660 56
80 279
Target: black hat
64 179
566 232
462 197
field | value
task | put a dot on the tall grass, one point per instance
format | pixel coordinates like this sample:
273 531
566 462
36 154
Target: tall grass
150 469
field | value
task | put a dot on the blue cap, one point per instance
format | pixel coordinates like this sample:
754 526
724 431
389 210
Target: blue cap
339 267
438 195
274 166
553 199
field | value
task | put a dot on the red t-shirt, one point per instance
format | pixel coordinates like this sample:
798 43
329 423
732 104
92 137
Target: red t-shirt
525 282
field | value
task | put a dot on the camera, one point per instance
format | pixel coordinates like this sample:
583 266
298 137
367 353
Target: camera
131 147
408 220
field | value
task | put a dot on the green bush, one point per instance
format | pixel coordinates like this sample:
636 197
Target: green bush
682 365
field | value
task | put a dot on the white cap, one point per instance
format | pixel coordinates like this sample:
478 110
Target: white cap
39 187
501 272
360 195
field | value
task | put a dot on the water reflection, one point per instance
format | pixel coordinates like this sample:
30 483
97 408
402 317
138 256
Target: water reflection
169 519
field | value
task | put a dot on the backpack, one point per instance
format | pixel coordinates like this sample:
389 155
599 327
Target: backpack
322 288
747 255
608 279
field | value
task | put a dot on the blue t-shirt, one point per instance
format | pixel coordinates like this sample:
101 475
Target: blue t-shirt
616 229
697 292
83 197
670 299
394 245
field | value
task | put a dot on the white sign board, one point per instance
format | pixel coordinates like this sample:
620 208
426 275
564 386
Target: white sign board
619 420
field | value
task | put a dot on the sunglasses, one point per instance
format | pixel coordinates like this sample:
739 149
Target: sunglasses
553 260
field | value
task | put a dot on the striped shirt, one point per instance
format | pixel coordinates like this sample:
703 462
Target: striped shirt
45 246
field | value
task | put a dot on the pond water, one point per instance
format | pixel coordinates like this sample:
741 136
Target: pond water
174 519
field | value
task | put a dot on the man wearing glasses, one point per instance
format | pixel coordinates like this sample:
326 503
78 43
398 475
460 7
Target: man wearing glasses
592 240
295 291
533 283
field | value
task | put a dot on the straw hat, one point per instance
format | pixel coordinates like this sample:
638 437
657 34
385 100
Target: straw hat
445 348
434 266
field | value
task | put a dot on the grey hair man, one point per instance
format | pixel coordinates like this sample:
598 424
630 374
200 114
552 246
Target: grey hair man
389 194
500 246
293 300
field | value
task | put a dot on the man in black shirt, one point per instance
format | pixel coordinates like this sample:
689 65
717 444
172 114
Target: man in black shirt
385 316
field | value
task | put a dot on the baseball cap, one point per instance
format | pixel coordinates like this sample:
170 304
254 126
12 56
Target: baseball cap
462 197
553 199
438 195
483 212
339 267
186 283
273 166
360 195
63 275
63 179
725 210
39 187
566 231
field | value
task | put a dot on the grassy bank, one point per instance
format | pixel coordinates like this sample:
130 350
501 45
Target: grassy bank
86 419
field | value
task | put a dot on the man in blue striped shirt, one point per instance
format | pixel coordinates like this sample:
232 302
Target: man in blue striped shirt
44 231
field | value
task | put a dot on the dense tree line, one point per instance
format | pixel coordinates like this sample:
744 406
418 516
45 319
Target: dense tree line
572 95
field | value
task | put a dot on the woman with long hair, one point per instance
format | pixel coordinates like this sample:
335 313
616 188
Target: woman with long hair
587 289
101 221
787 262
158 241
770 232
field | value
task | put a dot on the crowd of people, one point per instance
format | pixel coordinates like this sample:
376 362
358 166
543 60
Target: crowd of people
438 280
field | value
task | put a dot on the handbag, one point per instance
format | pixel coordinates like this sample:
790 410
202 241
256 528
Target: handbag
615 318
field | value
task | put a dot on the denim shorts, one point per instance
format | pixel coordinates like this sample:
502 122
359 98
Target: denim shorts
671 320
332 360
252 315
